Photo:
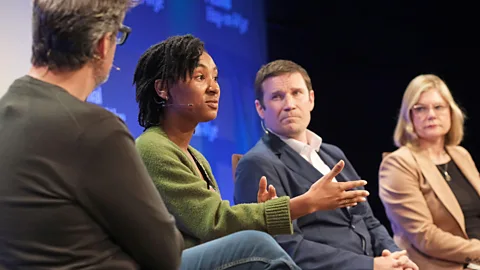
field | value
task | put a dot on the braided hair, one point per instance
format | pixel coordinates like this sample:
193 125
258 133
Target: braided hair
169 61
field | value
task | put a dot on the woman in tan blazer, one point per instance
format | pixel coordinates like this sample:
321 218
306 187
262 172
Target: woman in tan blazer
430 186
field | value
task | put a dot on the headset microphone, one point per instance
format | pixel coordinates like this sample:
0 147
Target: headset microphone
115 67
188 105
99 59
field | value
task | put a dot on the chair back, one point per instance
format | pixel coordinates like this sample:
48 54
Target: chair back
235 159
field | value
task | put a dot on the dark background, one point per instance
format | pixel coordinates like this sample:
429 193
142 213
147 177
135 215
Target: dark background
361 56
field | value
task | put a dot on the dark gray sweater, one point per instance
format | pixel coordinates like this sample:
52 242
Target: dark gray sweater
74 193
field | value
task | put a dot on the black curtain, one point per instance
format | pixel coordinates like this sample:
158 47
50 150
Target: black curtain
361 56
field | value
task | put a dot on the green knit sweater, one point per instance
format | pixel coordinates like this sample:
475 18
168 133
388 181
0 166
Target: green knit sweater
200 213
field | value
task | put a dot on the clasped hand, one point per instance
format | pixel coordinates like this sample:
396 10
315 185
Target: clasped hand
394 261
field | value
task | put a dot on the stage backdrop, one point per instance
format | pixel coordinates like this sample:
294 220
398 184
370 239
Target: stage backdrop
234 34
15 49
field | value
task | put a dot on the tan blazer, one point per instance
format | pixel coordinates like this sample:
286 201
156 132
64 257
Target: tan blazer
426 218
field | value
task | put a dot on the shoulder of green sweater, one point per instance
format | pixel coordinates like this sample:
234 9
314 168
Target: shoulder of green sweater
153 142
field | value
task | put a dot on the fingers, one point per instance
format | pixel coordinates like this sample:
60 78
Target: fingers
272 192
334 172
386 253
410 265
352 184
355 195
401 261
397 254
262 185
347 203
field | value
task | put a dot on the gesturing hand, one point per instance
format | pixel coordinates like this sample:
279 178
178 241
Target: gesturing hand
263 194
328 195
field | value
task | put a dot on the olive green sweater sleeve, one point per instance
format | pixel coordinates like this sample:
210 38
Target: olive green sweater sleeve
200 213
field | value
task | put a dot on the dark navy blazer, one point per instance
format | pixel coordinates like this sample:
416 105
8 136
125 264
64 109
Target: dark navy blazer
335 239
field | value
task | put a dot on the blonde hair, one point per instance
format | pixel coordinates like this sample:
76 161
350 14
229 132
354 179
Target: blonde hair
404 132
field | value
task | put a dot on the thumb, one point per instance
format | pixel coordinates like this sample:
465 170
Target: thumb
386 253
262 185
334 172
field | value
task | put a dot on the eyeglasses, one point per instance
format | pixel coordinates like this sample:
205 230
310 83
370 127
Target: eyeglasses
122 34
423 110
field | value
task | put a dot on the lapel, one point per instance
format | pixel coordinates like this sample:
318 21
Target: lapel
328 159
291 159
297 163
440 186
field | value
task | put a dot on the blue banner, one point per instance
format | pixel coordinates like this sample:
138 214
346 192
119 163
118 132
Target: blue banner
234 35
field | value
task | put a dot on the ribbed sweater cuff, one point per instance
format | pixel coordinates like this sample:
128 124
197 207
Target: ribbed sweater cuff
277 212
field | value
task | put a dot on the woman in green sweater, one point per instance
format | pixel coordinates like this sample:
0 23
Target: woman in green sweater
176 88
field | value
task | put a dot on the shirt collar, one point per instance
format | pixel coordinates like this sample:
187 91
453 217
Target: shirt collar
314 142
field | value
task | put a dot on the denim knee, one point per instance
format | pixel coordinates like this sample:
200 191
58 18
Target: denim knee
262 243
241 250
263 247
251 236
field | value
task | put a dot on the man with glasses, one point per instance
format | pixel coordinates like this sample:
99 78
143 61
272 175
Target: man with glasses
74 193
122 34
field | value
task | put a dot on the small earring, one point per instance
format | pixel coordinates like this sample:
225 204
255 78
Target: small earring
161 102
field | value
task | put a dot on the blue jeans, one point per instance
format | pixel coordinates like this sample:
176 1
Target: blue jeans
239 251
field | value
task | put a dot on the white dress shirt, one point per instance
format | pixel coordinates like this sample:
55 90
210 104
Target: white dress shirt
309 151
